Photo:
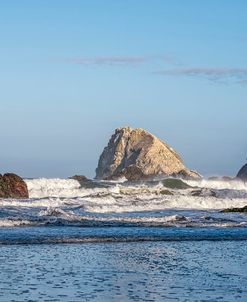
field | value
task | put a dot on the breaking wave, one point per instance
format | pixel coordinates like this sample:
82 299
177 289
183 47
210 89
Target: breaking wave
219 184
120 197
122 211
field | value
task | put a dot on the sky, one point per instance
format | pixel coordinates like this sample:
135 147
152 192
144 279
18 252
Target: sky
74 70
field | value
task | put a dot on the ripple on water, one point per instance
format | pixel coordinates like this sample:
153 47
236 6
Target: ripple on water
144 271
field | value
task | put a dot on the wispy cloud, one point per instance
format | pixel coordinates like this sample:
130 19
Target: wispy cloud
108 60
128 61
214 74
224 75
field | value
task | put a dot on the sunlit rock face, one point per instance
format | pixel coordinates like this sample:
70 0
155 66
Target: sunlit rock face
137 154
12 186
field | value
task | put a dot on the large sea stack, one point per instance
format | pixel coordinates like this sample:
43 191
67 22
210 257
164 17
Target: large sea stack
137 154
12 186
242 174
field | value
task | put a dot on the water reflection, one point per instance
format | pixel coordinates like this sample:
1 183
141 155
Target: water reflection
141 271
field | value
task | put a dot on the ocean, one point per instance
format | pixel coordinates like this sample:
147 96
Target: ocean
122 241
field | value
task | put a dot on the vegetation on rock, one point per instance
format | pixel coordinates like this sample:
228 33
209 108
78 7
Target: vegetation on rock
174 183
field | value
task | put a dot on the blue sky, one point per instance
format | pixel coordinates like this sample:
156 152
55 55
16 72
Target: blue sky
73 71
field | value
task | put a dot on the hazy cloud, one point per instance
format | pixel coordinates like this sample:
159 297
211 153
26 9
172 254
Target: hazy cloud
214 74
224 75
119 60
108 60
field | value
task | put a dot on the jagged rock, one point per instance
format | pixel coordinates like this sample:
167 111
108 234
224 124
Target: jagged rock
184 175
227 178
165 192
237 210
79 178
89 183
221 178
12 186
217 178
204 192
131 173
137 154
242 174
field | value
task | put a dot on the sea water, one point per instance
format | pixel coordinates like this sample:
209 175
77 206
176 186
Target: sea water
116 241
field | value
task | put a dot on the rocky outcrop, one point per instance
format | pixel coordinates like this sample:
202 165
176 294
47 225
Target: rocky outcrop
137 154
235 210
79 178
12 186
221 178
203 192
242 174
132 173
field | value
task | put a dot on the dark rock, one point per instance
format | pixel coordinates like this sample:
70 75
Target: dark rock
214 178
79 178
131 173
184 174
166 192
13 186
227 178
174 183
223 178
196 193
203 193
237 210
242 174
89 183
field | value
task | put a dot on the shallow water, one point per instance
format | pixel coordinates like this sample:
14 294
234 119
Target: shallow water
136 271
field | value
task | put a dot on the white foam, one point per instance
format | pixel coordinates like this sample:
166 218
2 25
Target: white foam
68 215
56 187
147 203
15 222
218 184
57 193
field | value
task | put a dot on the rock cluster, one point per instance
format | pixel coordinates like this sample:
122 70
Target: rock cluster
137 154
12 186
